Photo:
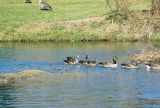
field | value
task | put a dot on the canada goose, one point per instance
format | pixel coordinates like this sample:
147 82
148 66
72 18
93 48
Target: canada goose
84 62
44 5
152 65
129 66
28 1
91 63
72 60
109 65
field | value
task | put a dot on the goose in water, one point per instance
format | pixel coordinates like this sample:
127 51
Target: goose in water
87 62
110 65
129 66
84 62
91 63
152 65
44 5
28 1
72 60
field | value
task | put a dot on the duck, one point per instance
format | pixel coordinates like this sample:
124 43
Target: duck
110 65
152 65
84 62
28 1
44 5
72 60
129 66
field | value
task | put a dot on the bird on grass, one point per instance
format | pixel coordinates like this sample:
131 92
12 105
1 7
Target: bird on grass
44 5
28 1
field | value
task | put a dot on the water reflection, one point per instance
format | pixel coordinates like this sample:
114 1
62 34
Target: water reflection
85 89
7 98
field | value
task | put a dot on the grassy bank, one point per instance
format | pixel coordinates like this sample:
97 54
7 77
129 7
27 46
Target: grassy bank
73 21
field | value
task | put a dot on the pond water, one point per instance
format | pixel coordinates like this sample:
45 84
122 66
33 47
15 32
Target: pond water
76 86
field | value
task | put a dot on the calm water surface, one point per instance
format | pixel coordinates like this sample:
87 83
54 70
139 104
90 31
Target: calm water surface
75 86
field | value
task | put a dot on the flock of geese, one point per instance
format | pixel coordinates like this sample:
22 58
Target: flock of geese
75 60
43 4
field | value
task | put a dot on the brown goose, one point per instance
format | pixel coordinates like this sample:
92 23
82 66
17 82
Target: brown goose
44 5
28 1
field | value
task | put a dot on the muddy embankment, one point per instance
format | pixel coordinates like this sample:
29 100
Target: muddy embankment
146 55
24 75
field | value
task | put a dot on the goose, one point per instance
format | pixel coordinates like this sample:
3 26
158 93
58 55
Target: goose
129 66
71 60
109 65
87 62
91 63
44 5
28 1
152 65
84 62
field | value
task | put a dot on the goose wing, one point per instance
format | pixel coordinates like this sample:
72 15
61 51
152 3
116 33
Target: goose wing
47 6
125 64
102 63
65 61
70 58
82 61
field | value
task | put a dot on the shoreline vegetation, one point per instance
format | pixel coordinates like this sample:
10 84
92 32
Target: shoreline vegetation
75 21
149 54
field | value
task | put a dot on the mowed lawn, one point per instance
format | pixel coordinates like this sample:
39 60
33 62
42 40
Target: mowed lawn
26 22
15 12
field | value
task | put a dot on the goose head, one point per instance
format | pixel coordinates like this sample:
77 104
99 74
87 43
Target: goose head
148 65
114 59
77 56
87 57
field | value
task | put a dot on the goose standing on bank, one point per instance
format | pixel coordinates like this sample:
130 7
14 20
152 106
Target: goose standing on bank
44 5
110 65
28 1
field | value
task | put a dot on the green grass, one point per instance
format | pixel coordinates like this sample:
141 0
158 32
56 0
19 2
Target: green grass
15 14
155 37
